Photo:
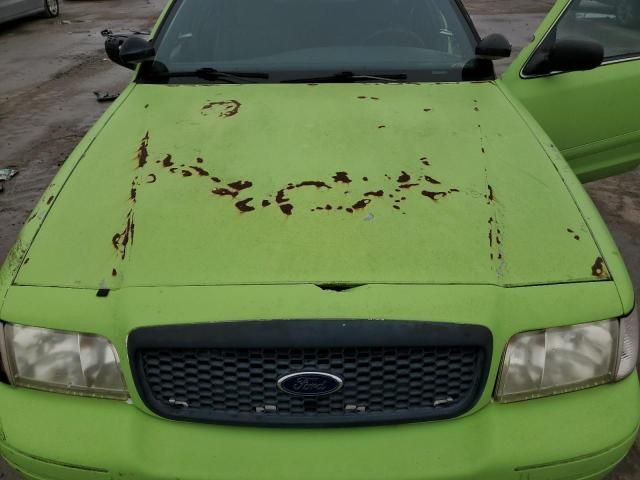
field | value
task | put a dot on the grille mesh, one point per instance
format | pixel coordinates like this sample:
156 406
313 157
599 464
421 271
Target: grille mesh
230 382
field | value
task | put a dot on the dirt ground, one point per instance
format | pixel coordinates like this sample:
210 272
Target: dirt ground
50 69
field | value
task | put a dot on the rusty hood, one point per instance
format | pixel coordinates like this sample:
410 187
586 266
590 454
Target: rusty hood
324 184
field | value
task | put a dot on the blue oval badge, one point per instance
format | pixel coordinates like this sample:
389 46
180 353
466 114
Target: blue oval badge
310 384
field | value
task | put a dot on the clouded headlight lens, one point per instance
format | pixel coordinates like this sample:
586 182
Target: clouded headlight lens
63 362
559 360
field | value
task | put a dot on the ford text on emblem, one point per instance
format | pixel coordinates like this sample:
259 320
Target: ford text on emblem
310 384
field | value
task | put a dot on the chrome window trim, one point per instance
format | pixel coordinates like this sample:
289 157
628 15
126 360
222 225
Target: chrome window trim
621 59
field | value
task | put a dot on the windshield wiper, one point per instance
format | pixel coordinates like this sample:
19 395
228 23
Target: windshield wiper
348 77
213 74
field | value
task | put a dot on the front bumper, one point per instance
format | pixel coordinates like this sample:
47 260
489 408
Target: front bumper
570 437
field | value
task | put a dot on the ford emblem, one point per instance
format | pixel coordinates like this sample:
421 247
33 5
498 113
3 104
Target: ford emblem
310 384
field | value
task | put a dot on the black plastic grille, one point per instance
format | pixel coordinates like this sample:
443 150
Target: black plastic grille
378 382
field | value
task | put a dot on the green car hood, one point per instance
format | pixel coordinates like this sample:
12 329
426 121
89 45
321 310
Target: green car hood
323 184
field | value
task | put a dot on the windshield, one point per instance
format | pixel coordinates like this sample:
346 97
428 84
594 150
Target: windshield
288 40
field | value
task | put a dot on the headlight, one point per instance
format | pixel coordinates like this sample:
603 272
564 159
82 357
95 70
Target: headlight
64 362
559 360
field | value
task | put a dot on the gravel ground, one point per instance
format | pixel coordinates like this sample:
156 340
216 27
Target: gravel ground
51 67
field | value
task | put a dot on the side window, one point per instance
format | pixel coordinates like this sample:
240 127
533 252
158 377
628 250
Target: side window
614 24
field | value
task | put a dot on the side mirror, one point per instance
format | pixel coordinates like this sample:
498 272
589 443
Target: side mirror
137 50
494 47
575 55
112 46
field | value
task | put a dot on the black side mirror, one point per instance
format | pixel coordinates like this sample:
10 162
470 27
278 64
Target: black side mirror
137 50
112 45
575 55
494 47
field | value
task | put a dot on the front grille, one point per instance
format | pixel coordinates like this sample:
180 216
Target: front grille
381 383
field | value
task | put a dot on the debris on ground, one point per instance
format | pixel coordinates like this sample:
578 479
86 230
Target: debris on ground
6 174
106 96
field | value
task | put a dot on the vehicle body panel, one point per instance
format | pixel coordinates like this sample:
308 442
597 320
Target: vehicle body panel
591 116
195 257
13 9
501 442
485 195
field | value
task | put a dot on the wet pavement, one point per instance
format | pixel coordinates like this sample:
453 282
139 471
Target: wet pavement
50 69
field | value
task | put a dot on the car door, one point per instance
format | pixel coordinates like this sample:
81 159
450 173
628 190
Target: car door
592 116
10 9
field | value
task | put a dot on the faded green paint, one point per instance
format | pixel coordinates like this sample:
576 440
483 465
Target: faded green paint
506 219
486 444
504 236
489 445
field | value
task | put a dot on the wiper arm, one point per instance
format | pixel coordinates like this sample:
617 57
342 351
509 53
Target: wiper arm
213 74
347 77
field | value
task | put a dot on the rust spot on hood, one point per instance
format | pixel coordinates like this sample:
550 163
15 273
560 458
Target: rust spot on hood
599 269
199 170
431 180
280 197
404 177
359 205
166 162
122 240
379 193
313 183
225 192
286 208
490 195
143 152
229 108
435 196
244 206
341 177
241 185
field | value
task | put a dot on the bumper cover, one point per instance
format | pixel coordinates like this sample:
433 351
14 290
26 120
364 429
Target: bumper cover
576 436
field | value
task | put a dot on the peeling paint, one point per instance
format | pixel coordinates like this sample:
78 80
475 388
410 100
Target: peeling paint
244 206
229 108
225 192
431 180
379 193
599 269
286 208
199 170
122 240
241 185
143 152
341 177
404 177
